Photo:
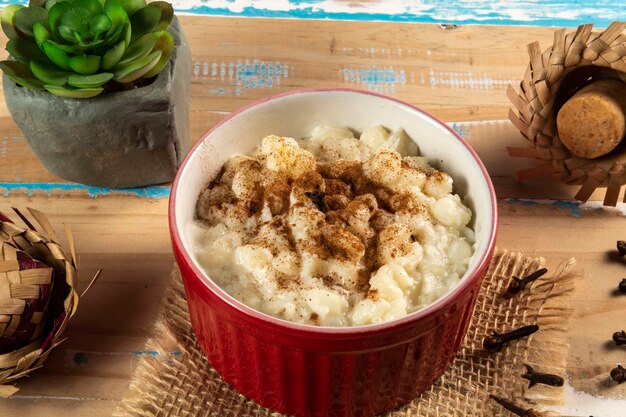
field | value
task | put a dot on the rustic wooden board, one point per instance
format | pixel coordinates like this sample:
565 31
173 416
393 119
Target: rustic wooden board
460 75
128 238
499 12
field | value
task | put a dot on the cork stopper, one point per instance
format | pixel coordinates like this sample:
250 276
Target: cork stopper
592 123
565 148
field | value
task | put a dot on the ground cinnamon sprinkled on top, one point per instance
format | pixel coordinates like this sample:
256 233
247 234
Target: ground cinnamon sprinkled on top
343 209
313 234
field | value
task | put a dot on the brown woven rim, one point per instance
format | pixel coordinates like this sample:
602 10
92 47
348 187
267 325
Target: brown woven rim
535 103
19 286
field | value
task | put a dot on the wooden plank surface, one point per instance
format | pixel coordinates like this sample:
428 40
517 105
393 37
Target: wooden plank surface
460 75
128 237
491 12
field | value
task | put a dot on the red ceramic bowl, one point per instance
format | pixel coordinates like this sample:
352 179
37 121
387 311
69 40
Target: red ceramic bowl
321 371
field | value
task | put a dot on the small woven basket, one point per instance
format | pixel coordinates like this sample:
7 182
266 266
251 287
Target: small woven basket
550 77
37 296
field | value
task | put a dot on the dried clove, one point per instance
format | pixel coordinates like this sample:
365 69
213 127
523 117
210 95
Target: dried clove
515 409
317 197
621 247
540 378
496 341
518 284
622 285
619 338
618 374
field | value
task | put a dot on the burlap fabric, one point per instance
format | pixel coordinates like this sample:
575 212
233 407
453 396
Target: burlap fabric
180 382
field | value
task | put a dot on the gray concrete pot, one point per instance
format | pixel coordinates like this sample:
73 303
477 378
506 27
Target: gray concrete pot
124 139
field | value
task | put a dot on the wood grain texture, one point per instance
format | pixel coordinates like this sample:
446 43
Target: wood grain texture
128 238
459 75
499 12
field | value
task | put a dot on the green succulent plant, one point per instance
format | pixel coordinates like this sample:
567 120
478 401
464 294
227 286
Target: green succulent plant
74 48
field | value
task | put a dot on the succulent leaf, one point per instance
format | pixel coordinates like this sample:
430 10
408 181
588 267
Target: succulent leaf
113 55
41 34
72 48
67 33
113 37
165 44
74 24
136 69
7 20
55 14
145 20
26 17
116 14
73 92
93 7
21 74
39 3
65 48
23 50
89 81
84 64
131 6
138 48
48 73
56 55
128 35
51 3
98 25
167 14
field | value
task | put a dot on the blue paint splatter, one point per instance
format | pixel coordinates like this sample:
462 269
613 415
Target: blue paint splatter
250 76
521 201
536 14
381 80
520 12
573 206
460 129
219 90
243 75
30 188
154 353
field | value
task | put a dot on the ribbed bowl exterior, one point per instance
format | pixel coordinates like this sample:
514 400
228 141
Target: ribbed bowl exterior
282 374
312 371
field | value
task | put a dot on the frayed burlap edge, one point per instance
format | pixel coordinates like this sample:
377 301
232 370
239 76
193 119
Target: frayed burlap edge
180 381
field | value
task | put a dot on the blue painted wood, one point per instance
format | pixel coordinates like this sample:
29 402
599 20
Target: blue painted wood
493 12
8 189
30 188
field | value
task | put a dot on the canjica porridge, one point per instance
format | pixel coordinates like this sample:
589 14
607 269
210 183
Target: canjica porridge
333 230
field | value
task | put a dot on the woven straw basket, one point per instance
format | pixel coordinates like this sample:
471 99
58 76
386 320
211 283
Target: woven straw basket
37 296
550 78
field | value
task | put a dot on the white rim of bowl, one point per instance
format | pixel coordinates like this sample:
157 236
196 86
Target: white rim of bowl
424 313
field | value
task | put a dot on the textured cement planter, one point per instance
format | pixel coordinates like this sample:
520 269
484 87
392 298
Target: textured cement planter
124 139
